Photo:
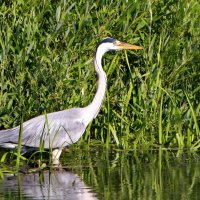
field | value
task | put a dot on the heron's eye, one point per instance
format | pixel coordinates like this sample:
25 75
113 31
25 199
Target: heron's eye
116 42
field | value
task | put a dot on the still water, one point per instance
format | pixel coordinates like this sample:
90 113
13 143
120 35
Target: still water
118 175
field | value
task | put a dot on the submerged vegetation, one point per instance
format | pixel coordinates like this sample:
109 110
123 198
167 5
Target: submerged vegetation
46 52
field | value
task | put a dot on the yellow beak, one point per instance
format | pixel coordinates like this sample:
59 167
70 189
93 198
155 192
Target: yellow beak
123 45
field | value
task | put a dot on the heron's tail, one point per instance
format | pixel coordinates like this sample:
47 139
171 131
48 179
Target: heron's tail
6 138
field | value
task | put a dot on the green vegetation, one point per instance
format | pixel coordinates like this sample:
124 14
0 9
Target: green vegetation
111 175
137 174
46 52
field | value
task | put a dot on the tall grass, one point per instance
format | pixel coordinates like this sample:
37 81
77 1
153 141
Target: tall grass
153 95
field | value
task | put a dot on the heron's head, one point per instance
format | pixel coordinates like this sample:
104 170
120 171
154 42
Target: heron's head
110 44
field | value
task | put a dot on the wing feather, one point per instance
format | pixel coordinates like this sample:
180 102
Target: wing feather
61 129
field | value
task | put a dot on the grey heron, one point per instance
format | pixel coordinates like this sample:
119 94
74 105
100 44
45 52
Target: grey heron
60 129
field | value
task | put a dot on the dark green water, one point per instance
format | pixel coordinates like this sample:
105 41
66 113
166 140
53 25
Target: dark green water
98 174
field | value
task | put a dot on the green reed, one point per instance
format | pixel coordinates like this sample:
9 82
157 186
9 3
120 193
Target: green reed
19 144
152 97
144 174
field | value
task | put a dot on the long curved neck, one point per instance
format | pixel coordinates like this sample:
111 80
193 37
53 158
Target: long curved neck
94 107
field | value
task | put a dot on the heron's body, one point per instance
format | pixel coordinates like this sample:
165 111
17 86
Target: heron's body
55 130
60 129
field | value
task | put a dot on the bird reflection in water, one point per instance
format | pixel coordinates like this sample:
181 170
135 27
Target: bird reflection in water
55 184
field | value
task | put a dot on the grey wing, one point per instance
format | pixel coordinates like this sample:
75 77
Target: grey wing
60 129
65 133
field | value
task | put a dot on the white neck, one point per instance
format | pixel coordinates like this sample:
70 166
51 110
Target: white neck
94 107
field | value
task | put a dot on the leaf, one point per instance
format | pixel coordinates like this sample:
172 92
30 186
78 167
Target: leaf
58 12
113 131
3 158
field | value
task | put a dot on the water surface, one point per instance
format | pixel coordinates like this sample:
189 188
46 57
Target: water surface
115 174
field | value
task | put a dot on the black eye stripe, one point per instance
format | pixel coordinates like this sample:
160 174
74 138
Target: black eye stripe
107 40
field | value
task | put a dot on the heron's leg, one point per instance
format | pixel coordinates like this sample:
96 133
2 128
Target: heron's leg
56 155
